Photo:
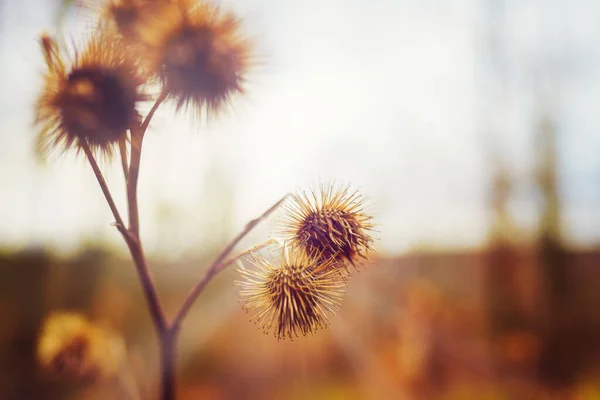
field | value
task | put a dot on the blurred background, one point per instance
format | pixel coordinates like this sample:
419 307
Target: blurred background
470 124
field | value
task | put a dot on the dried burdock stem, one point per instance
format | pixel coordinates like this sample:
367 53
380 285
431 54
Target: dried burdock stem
163 95
137 254
133 242
148 286
133 237
168 350
92 102
218 265
166 331
111 203
253 249
137 138
124 160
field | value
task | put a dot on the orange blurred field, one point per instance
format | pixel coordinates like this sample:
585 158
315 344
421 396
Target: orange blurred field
423 326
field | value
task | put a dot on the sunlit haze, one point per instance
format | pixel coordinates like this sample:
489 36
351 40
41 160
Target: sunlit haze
391 96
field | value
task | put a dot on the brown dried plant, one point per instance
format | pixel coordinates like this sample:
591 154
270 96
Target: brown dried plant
91 102
292 297
197 56
72 347
331 222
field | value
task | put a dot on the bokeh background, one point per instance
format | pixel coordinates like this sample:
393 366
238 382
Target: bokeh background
470 124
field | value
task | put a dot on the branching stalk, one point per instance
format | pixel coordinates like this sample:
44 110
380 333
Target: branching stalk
166 332
124 160
137 138
218 265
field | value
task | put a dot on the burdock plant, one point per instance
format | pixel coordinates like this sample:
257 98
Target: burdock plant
194 54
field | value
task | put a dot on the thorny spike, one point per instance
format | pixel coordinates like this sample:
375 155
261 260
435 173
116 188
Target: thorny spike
51 53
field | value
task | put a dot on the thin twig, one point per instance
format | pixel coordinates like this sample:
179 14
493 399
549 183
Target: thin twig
132 180
132 238
218 265
134 245
148 286
163 95
237 257
137 137
100 178
123 151
168 353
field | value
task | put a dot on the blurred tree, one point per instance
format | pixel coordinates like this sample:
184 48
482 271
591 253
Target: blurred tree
503 303
28 269
501 188
504 309
511 328
549 229
558 364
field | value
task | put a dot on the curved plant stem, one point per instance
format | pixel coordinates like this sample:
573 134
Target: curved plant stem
132 238
168 351
161 97
166 332
148 286
100 178
134 245
137 137
235 258
218 265
132 181
132 235
124 160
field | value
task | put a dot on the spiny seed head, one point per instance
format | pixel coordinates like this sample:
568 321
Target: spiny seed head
198 52
72 348
129 18
93 100
331 222
127 14
292 298
124 14
131 21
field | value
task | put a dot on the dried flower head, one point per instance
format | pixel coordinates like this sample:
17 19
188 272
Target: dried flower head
93 100
127 15
72 348
128 18
331 223
198 52
291 298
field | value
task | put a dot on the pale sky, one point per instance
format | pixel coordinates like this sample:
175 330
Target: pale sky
392 96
